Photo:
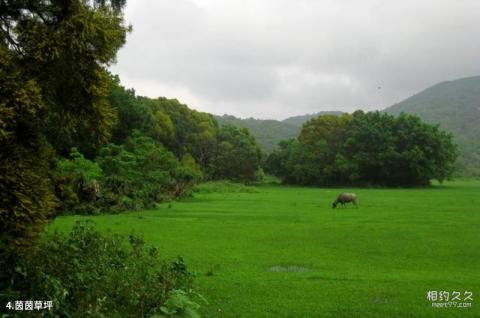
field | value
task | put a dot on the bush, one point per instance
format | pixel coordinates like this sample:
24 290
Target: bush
77 185
87 274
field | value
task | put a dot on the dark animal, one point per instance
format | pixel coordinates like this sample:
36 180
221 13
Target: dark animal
344 198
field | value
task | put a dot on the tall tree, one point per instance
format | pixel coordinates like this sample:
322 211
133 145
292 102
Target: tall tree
53 82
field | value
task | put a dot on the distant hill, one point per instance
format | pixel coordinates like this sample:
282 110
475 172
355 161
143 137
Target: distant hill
455 105
270 132
267 132
300 120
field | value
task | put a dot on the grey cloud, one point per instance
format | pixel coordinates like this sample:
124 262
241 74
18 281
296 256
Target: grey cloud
276 58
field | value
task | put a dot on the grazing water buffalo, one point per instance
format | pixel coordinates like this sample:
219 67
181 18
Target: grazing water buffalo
345 198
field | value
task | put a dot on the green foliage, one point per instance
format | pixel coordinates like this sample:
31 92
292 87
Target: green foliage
238 156
77 184
179 304
79 167
182 130
53 86
26 196
365 149
132 115
454 105
136 174
87 274
188 162
140 173
65 47
294 163
399 150
194 137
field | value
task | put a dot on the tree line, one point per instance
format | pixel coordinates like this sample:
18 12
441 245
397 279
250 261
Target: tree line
365 149
158 149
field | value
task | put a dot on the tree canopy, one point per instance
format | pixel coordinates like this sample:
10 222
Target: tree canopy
365 149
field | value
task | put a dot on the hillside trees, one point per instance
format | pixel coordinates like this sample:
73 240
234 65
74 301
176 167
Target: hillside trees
193 137
184 130
365 149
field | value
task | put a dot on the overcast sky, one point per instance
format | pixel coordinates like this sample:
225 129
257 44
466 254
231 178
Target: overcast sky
278 58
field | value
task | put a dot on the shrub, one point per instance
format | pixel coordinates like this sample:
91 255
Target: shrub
87 274
77 185
141 173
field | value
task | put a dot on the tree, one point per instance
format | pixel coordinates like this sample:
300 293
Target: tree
65 47
183 130
295 163
26 198
53 78
131 114
401 150
238 156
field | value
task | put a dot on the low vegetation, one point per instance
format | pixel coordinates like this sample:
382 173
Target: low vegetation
88 274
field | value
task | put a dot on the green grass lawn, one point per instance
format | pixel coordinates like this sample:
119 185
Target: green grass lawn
284 252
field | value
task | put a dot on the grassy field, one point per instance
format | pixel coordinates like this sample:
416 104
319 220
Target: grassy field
284 252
